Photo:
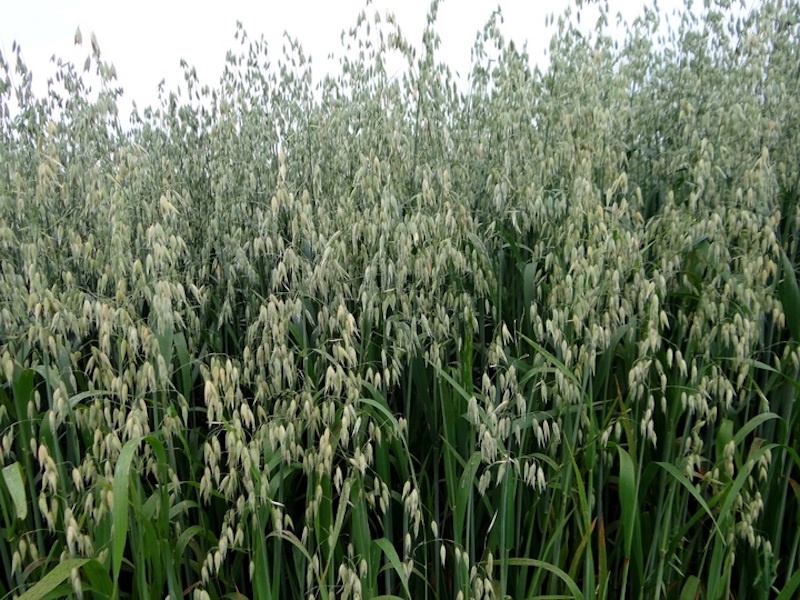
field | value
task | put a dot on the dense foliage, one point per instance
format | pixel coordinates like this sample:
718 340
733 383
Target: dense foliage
387 335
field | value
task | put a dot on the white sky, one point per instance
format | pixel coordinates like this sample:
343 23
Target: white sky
145 40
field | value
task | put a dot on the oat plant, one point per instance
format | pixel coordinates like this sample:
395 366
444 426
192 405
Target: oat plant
388 333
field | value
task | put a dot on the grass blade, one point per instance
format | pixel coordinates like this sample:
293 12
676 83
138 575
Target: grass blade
120 510
788 591
53 579
12 475
394 561
627 498
789 293
681 478
532 562
691 589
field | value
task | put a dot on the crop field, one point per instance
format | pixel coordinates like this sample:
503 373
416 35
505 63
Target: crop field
386 335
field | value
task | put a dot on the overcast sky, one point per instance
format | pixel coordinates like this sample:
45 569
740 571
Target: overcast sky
146 40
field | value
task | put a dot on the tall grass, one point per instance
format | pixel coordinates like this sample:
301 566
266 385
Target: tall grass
376 336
